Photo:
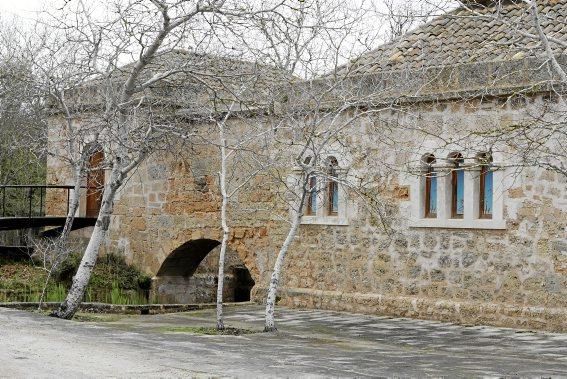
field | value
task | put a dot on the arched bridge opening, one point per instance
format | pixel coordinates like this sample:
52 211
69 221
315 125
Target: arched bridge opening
190 275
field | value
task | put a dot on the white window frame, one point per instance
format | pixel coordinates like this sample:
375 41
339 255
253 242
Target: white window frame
471 215
321 216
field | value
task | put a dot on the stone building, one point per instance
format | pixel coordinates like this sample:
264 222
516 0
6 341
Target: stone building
479 234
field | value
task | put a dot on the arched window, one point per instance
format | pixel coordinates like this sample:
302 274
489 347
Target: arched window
430 186
332 188
486 186
457 185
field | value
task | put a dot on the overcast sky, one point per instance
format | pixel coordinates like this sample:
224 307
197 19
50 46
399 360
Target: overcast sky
374 30
22 8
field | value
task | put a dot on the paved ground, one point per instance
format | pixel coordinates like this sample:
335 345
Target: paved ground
310 343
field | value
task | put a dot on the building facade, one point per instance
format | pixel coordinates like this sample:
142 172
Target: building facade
474 233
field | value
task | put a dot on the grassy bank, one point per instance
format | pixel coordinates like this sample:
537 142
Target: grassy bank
113 281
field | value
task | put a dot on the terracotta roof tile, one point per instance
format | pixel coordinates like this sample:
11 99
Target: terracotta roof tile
464 36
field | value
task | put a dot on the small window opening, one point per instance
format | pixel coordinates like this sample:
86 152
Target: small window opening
486 186
430 187
333 188
457 186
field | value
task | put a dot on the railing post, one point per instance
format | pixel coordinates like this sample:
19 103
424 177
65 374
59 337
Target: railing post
41 200
31 197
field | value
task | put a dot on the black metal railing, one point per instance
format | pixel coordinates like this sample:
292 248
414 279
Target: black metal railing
30 200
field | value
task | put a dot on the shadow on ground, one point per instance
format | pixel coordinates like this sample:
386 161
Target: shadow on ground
309 343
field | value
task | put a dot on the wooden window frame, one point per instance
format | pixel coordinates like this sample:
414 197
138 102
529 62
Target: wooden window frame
428 182
312 192
457 160
429 161
332 187
484 169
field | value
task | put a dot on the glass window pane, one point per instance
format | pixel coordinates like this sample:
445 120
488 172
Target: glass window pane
487 192
460 193
433 195
334 198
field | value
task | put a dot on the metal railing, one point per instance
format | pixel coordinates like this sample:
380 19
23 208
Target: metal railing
29 200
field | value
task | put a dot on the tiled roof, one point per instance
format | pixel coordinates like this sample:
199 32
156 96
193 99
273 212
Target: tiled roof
199 79
480 34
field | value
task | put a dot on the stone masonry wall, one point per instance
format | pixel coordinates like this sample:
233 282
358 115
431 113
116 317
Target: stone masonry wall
515 277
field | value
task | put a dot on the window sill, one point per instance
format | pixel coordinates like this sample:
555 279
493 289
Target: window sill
458 224
326 220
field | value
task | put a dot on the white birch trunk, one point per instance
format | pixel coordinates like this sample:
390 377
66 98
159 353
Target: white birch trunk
81 279
270 325
225 229
60 244
74 204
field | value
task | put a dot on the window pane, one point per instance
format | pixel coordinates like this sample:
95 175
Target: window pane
460 192
487 193
334 197
432 195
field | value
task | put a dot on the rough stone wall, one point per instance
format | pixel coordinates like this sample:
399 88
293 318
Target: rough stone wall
171 200
58 170
515 277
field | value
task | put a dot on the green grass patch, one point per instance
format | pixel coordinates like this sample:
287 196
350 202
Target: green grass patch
98 317
209 331
113 281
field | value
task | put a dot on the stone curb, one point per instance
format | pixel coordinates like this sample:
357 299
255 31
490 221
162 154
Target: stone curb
122 308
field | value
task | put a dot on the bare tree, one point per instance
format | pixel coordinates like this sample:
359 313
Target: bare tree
403 16
310 129
23 129
127 132
234 155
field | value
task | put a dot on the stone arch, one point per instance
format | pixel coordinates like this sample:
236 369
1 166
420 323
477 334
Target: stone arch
184 260
189 274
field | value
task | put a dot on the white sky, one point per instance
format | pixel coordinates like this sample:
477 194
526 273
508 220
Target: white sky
28 10
23 8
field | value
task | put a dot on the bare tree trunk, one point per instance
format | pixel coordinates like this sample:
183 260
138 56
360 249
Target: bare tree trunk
73 205
270 325
222 258
59 246
81 279
225 229
44 290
